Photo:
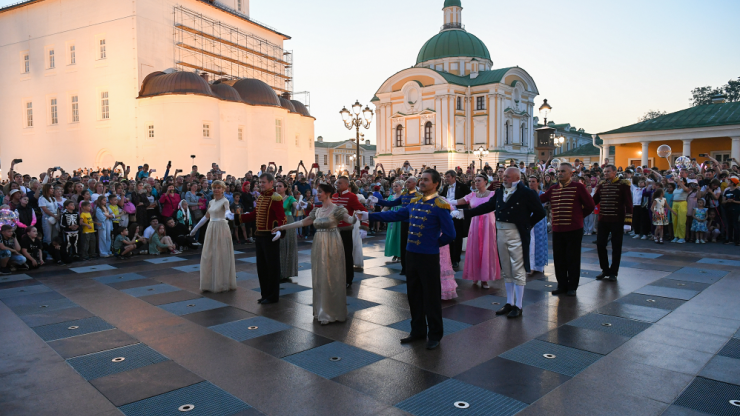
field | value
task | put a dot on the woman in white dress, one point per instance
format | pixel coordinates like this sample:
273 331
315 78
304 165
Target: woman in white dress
217 268
327 258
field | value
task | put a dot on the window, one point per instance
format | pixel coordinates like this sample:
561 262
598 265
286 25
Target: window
206 131
428 133
278 131
53 114
349 159
399 136
371 161
337 159
317 159
26 63
240 134
239 5
104 106
101 52
506 130
326 159
480 103
75 109
51 58
151 131
523 132
72 55
29 114
459 103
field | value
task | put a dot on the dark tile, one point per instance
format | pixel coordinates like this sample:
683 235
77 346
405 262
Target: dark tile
158 272
55 317
384 341
710 396
218 316
584 339
130 284
90 343
284 343
74 398
679 284
144 382
638 313
678 337
468 314
724 369
390 381
383 315
169 297
651 301
669 357
518 381
51 273
31 299
17 283
683 411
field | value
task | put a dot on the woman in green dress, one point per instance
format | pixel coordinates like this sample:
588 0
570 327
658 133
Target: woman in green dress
289 244
393 236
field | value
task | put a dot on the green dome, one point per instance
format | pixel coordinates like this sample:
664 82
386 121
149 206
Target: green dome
451 3
452 43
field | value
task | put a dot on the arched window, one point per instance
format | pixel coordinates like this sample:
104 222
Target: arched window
399 136
428 133
523 133
506 129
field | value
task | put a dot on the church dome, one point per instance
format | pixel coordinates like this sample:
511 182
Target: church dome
256 92
286 104
225 92
453 43
300 108
160 83
452 3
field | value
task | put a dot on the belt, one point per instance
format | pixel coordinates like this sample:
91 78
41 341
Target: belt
326 230
217 219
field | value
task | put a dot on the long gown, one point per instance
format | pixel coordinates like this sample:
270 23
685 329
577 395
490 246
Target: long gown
327 266
481 254
447 274
538 246
217 268
289 244
357 256
393 235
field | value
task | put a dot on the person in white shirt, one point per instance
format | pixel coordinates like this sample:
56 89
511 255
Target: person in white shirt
150 230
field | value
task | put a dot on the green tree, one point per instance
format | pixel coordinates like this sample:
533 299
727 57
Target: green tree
651 114
703 95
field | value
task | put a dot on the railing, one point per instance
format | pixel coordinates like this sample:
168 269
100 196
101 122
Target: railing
238 13
453 26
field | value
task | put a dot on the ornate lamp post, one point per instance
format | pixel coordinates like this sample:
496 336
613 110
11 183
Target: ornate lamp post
356 121
480 153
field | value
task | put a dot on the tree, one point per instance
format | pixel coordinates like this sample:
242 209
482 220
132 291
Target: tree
651 114
703 95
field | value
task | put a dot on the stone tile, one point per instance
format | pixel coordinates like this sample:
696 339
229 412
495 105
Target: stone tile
724 369
165 259
55 317
383 341
218 316
468 314
94 268
584 339
74 398
383 315
91 343
169 297
332 360
638 313
134 283
668 357
683 338
449 392
284 343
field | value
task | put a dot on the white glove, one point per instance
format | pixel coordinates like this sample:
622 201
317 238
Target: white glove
200 224
457 214
373 200
229 215
362 215
453 203
277 236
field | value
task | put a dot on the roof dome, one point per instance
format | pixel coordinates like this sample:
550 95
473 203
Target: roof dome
256 92
225 92
453 43
160 83
453 3
300 108
286 104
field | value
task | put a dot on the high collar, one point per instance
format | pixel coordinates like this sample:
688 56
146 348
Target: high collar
269 192
344 192
428 197
566 184
513 187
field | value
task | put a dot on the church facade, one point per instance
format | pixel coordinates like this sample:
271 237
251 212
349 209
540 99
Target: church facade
453 102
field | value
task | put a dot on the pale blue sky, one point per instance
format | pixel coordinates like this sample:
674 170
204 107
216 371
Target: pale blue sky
601 64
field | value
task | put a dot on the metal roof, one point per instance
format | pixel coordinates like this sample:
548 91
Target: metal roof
337 144
709 115
484 77
453 43
585 150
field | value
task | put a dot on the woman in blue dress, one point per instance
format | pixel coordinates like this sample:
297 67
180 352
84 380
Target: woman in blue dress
538 258
393 235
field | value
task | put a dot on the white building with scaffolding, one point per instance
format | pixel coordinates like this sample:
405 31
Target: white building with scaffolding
91 82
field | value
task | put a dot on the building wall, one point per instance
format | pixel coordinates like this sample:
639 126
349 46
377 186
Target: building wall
624 152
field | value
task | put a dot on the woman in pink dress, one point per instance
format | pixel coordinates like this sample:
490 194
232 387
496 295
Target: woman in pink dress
481 254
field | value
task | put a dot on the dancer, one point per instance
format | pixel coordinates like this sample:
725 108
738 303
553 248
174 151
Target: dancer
453 191
358 259
289 242
538 257
217 268
327 257
409 194
517 209
571 203
268 214
481 254
615 199
430 227
393 234
346 199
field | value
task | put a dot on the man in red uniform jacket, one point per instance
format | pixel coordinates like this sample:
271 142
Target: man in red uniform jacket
615 197
345 198
571 203
269 214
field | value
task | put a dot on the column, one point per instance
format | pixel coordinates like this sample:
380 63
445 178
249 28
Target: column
644 160
735 149
604 152
687 147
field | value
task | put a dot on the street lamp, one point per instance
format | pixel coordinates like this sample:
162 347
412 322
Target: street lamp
480 153
545 109
357 121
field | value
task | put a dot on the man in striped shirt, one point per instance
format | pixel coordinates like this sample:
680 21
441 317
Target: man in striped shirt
345 198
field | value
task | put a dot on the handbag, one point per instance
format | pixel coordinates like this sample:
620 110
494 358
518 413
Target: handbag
51 220
129 208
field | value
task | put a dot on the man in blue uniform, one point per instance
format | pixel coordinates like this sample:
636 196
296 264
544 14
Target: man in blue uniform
430 227
408 194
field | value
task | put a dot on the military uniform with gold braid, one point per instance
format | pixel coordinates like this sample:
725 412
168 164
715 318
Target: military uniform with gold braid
615 210
430 227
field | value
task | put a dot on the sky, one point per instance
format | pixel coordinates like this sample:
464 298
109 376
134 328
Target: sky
600 64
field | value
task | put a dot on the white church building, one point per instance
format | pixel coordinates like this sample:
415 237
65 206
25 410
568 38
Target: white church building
90 82
453 102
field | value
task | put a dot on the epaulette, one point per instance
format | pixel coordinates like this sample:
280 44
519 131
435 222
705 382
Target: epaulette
416 199
602 182
441 204
625 182
276 197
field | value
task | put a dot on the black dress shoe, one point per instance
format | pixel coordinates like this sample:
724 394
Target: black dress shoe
432 344
268 301
349 285
506 309
571 293
612 278
286 280
601 276
515 312
411 338
259 300
559 292
455 266
403 273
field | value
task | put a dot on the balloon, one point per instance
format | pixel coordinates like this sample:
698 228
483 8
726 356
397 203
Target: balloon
664 150
555 163
8 217
683 162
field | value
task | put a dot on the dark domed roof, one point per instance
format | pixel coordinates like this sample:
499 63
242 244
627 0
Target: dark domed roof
256 92
286 104
300 108
225 92
453 43
160 83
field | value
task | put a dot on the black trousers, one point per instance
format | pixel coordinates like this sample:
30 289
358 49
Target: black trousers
456 246
268 267
616 229
349 261
566 252
404 242
424 291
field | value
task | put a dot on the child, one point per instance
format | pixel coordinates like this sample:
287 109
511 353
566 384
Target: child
660 218
700 221
88 231
160 243
713 226
55 249
116 210
122 246
70 223
31 248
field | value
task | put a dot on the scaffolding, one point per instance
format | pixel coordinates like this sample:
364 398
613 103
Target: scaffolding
206 45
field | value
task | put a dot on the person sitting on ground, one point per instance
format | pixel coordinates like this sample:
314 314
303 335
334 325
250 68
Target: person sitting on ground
179 234
122 246
10 251
151 229
160 243
31 248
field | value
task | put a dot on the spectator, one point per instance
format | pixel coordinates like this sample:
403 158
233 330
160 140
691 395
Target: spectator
31 248
160 243
10 251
